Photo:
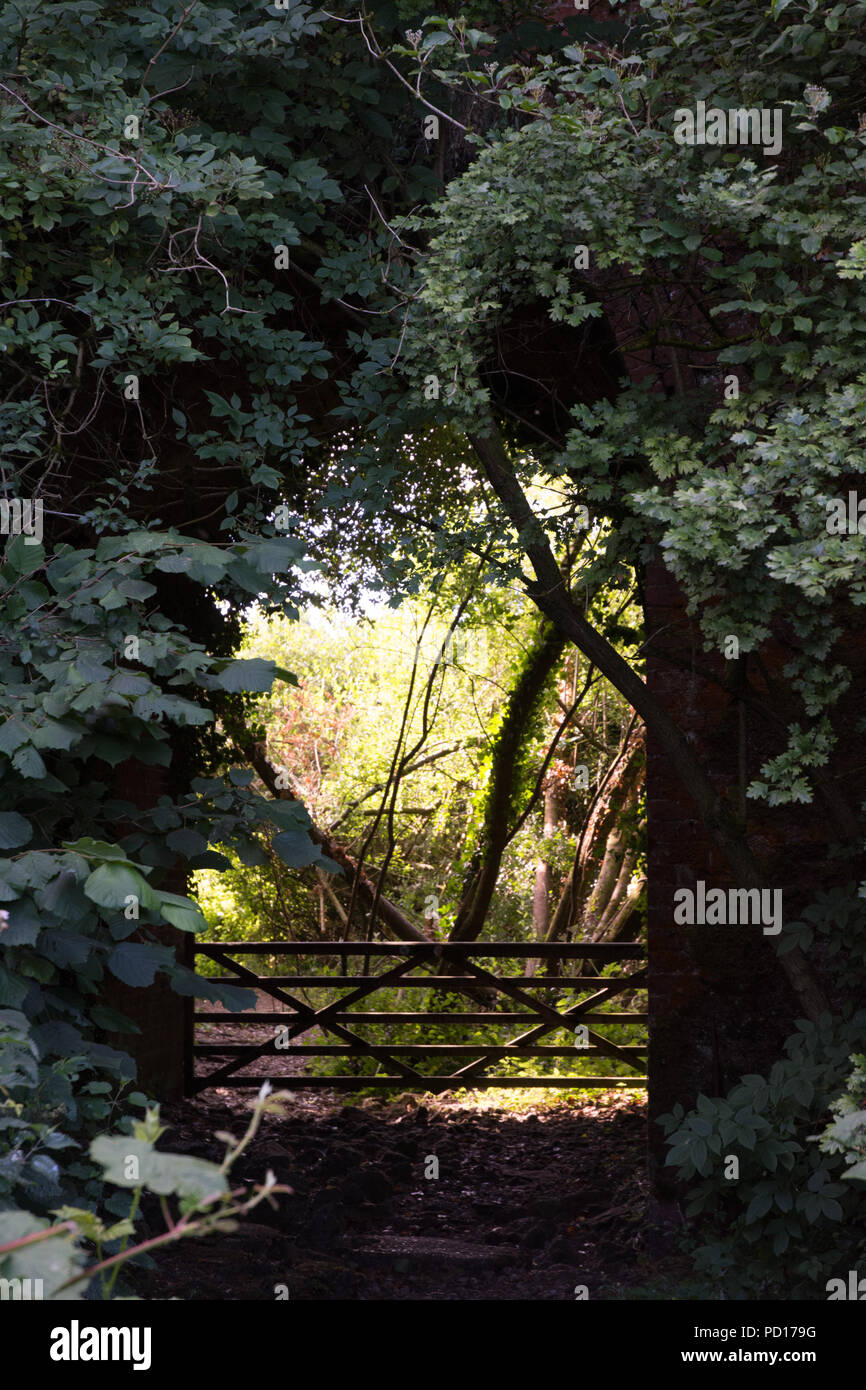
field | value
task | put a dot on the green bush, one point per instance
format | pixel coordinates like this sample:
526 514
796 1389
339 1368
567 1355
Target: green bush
55 1253
847 1133
773 1218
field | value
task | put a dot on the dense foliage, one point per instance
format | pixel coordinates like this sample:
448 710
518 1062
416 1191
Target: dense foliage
779 1220
257 328
92 680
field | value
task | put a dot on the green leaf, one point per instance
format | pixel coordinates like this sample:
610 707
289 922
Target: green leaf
7 892
89 848
111 884
759 1206
250 853
13 989
14 830
211 859
28 762
24 924
186 842
275 555
182 913
241 776
248 674
289 814
136 588
136 963
23 557
158 1172
295 848
12 734
129 683
53 734
53 1261
112 1021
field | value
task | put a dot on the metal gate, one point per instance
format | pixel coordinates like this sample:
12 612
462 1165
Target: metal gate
340 1020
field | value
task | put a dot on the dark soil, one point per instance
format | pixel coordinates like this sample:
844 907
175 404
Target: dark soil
528 1204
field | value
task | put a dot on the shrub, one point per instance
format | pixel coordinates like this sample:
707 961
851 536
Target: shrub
774 1217
55 1253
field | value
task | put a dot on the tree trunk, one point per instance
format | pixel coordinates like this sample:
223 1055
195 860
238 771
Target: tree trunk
541 890
541 663
618 895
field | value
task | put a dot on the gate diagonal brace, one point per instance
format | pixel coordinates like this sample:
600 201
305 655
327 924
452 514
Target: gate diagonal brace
313 1019
584 1006
320 1017
418 954
557 1020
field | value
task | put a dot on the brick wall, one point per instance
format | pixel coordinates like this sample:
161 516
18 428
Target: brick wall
720 1005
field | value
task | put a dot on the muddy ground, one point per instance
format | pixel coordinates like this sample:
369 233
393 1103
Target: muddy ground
529 1203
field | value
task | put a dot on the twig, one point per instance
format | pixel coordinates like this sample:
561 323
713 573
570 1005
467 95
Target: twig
44 299
377 53
21 1241
202 262
164 46
96 144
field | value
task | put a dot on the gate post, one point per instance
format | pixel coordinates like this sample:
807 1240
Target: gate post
158 1049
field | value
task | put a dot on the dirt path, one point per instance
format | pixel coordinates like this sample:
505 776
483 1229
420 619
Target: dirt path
528 1204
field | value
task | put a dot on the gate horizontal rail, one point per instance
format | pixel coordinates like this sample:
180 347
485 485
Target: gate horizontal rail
565 950
415 1050
337 1017
443 982
435 1083
416 1016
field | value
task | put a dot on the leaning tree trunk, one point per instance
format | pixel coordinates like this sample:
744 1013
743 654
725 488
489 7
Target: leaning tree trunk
540 664
551 595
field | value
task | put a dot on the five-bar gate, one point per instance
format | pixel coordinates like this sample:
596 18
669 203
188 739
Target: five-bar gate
341 1020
